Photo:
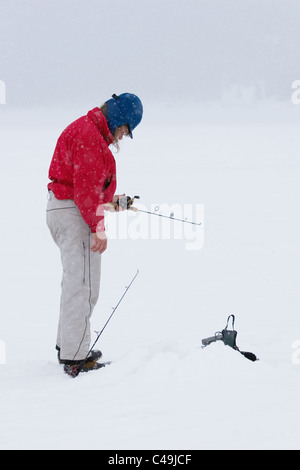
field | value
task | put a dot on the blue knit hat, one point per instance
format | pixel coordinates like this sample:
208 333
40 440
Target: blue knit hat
124 109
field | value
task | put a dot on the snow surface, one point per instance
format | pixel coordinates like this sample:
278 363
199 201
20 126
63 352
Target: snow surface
163 391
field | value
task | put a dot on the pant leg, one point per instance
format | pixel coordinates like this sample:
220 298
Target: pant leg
81 277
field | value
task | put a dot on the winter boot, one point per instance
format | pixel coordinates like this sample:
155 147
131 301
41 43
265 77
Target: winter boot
90 360
74 369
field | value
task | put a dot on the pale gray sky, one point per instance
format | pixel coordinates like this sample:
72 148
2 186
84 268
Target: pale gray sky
82 51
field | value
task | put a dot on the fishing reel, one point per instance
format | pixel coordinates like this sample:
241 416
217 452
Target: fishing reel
126 202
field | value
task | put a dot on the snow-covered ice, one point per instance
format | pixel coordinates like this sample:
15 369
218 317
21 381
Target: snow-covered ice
163 391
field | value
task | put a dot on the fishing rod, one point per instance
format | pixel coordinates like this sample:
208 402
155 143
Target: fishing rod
74 370
127 201
171 216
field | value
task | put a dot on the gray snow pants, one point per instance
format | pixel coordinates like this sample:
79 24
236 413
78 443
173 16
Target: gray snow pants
81 277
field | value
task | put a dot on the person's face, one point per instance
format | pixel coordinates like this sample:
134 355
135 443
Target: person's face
121 131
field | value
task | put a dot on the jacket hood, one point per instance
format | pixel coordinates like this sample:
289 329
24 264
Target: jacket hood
98 118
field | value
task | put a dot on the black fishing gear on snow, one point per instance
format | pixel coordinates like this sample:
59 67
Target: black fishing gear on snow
229 339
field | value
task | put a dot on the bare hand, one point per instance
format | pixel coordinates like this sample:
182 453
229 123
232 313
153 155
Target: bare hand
99 242
116 198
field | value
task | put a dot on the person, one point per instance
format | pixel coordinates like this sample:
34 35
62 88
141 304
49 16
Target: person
82 177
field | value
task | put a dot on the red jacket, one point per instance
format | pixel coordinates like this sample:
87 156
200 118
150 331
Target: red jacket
83 168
